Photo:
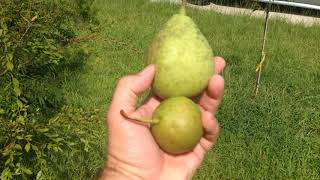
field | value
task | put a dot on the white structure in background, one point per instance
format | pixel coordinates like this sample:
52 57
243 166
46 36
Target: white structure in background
308 4
172 1
290 18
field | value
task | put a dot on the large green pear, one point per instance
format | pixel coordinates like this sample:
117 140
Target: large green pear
178 127
183 59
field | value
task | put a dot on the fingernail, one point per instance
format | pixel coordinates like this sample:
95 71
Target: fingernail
146 70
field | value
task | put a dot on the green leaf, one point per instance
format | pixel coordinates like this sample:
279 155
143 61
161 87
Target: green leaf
28 137
26 170
52 135
6 174
2 111
16 86
39 175
18 146
27 147
17 169
55 148
86 144
49 146
9 66
19 137
58 139
20 104
8 161
70 143
10 57
43 130
20 120
35 148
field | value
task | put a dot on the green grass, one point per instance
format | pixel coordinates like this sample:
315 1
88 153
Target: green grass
273 136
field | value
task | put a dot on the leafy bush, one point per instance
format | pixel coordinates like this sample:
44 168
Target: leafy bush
33 51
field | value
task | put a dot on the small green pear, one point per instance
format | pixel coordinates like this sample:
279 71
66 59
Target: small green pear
176 125
183 58
179 127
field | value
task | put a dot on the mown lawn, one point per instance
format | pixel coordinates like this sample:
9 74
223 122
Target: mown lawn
273 136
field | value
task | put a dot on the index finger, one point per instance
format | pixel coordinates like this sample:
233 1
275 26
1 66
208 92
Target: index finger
128 89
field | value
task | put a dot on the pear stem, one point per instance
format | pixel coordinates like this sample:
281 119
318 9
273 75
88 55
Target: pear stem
140 120
183 7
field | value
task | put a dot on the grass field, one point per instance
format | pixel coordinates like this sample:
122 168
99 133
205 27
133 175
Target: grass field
273 136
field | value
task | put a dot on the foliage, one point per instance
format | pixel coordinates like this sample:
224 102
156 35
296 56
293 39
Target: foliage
84 142
33 52
85 9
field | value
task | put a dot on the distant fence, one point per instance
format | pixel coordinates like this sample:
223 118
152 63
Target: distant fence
308 4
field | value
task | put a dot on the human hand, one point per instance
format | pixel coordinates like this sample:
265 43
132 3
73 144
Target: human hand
133 152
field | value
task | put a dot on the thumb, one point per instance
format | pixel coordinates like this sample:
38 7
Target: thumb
129 88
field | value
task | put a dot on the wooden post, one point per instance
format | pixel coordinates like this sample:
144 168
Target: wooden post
263 53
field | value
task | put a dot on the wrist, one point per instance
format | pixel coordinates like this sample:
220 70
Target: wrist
175 173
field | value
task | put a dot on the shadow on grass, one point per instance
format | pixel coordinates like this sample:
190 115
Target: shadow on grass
45 93
78 126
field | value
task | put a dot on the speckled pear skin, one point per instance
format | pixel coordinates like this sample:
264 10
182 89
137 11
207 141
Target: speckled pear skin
180 127
183 59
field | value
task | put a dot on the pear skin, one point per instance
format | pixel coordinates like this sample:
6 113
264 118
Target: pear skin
183 59
179 126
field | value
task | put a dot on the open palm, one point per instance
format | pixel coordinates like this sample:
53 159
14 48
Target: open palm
132 151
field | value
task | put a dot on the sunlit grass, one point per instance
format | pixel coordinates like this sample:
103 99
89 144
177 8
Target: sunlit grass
273 136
